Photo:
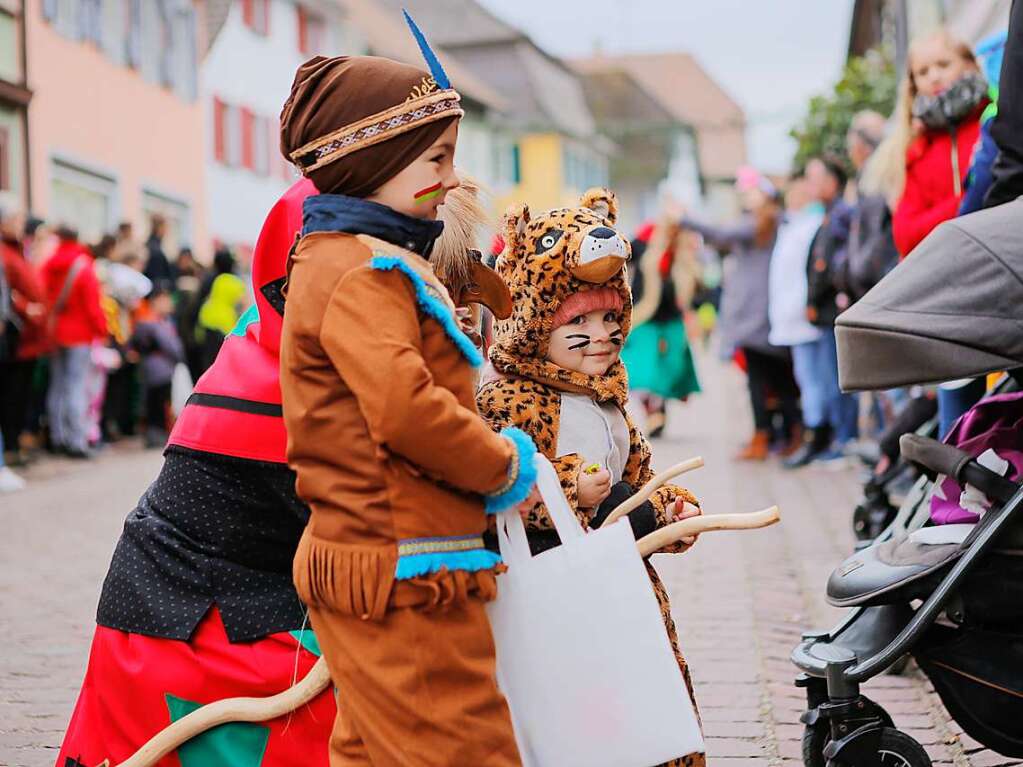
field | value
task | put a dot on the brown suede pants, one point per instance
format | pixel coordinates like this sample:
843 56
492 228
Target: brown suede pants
416 688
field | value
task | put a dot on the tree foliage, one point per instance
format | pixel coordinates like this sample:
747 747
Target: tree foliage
867 82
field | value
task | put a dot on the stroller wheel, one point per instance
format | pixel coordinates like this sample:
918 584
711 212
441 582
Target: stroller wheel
896 749
815 738
899 750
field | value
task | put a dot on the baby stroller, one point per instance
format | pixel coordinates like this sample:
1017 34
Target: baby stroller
953 309
882 498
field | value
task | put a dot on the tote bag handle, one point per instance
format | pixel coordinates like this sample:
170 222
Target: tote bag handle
511 532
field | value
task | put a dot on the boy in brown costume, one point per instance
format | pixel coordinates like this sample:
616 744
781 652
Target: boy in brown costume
391 454
557 376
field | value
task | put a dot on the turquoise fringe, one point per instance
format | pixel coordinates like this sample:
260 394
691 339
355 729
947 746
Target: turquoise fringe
416 565
524 482
432 307
250 317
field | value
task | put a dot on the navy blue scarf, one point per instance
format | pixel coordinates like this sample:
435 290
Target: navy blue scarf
354 215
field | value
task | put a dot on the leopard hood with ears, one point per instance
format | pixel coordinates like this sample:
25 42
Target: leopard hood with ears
546 259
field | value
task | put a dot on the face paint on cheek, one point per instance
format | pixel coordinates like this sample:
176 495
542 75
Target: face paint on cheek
616 338
425 195
581 345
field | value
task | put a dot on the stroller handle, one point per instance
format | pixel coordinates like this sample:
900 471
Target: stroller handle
958 464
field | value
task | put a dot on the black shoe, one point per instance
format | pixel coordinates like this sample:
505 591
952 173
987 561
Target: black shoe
78 455
803 456
815 442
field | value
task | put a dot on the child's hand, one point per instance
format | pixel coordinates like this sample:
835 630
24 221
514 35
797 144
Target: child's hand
593 488
465 321
684 510
531 501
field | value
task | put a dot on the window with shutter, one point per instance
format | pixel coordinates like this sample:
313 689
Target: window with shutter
302 18
256 15
247 120
5 158
133 33
259 164
232 135
219 128
311 31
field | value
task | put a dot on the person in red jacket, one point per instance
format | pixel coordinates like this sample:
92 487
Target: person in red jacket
25 334
939 125
76 321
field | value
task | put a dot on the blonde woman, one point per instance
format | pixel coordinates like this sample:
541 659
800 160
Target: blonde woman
937 124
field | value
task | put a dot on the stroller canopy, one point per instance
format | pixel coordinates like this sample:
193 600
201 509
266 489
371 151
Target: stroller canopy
953 309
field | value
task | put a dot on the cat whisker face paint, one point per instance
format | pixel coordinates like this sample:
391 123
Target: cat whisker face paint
587 343
430 193
582 344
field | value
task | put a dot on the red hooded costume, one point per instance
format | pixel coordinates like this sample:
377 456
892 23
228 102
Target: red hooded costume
198 603
235 408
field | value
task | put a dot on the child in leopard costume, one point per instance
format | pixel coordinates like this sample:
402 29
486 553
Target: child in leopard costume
556 375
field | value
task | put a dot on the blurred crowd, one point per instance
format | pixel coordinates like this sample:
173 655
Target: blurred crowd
97 340
809 246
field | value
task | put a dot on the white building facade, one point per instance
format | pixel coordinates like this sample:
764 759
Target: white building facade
244 81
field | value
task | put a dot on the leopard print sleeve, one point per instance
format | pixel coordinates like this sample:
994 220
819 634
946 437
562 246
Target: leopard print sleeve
535 409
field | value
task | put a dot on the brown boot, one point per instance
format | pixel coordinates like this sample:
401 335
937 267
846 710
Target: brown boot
757 449
794 443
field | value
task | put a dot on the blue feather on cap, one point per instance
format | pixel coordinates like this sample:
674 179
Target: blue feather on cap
431 58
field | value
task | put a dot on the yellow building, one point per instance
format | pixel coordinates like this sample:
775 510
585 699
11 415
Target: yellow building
553 169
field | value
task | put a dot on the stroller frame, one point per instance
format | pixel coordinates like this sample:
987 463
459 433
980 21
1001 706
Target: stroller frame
846 726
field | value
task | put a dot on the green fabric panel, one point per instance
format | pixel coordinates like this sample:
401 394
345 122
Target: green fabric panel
238 744
308 640
658 359
251 316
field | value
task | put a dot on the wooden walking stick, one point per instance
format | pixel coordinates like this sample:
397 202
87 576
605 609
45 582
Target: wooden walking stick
669 534
229 710
644 493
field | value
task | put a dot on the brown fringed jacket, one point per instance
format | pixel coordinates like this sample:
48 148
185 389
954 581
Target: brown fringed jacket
378 393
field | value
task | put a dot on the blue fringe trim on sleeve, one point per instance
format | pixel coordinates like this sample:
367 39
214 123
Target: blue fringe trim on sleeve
416 565
521 474
432 307
250 317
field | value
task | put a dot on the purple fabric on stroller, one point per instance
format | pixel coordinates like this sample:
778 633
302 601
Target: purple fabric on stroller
994 423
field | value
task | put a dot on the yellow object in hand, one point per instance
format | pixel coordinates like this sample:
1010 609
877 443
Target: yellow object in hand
592 469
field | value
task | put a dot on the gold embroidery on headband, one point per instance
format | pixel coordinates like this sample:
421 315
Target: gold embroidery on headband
376 128
427 86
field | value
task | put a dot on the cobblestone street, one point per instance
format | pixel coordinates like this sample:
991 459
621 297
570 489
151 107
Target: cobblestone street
741 599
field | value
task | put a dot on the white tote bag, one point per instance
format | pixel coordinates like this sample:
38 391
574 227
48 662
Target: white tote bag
181 388
582 654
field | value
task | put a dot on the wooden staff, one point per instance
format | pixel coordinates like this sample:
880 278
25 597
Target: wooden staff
229 710
651 487
676 531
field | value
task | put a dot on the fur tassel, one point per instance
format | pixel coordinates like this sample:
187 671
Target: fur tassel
417 565
522 475
432 307
463 216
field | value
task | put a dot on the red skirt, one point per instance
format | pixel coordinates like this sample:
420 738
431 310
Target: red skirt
137 685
